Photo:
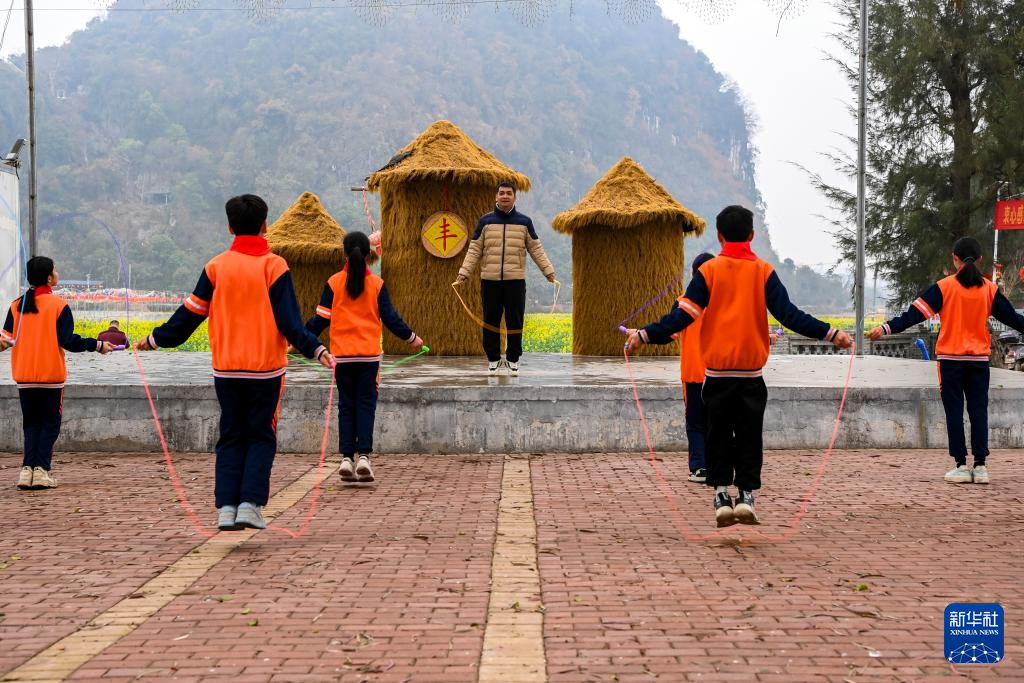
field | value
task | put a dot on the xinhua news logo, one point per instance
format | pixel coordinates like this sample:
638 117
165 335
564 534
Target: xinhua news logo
974 633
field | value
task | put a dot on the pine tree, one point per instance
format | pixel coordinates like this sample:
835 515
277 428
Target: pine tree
946 131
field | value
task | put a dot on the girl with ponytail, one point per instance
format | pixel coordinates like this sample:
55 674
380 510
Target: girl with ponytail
964 302
40 327
356 307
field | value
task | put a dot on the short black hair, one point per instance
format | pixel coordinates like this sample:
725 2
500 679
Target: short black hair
701 259
736 223
115 322
510 185
246 214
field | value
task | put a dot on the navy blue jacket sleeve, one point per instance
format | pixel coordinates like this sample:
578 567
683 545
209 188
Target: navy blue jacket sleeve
289 319
66 336
777 300
187 319
1002 310
678 319
389 316
480 226
931 299
318 323
530 229
9 323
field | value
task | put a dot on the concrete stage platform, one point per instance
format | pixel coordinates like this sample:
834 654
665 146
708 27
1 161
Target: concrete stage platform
558 404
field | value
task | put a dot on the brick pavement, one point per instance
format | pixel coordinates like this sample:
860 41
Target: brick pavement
627 599
392 582
112 524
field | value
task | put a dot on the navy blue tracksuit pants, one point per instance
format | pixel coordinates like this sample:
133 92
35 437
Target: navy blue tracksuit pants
41 412
696 424
960 379
248 438
735 413
358 384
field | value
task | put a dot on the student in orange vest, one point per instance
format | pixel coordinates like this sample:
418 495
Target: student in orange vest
691 372
356 306
965 300
247 294
733 293
40 327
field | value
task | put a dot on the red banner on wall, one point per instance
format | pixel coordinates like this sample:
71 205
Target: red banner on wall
1010 215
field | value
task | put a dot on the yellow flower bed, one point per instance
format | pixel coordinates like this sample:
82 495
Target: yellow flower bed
199 341
547 333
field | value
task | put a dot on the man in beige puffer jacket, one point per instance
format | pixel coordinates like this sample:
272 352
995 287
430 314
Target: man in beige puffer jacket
499 246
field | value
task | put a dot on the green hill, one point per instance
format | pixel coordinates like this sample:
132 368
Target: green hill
149 120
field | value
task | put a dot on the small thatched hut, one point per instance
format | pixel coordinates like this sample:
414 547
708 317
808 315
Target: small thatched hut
442 173
627 246
309 239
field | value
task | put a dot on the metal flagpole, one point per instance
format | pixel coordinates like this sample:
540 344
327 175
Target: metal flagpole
859 275
995 247
30 72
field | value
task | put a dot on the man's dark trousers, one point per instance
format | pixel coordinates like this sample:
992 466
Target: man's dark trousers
735 418
248 439
506 297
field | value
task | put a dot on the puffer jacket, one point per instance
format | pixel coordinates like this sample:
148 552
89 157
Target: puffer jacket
499 245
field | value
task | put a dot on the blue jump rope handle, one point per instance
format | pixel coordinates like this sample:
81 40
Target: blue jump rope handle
922 348
623 330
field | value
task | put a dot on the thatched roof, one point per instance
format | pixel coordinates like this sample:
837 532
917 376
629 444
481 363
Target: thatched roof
307 234
626 197
444 152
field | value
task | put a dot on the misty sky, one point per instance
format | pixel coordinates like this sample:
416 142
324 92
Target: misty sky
799 99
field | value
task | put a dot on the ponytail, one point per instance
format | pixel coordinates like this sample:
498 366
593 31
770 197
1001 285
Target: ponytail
38 271
27 302
356 246
968 250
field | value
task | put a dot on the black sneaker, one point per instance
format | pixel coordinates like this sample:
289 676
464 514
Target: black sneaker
744 510
723 510
699 475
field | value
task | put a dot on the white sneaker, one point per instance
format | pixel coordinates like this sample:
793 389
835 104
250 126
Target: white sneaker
25 478
961 474
250 516
492 367
226 518
980 474
363 470
42 479
513 368
347 471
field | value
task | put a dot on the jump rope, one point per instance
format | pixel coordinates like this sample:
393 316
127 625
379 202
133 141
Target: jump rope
179 488
666 489
663 484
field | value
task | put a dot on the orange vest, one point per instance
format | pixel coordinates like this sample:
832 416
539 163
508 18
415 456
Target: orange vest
356 328
734 334
965 311
244 337
37 360
691 362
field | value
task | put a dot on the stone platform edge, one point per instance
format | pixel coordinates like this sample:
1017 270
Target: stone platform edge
510 419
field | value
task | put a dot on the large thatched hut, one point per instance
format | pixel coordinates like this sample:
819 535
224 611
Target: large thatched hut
309 239
627 247
431 195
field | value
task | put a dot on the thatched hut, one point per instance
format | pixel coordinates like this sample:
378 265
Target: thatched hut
627 246
440 178
309 239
